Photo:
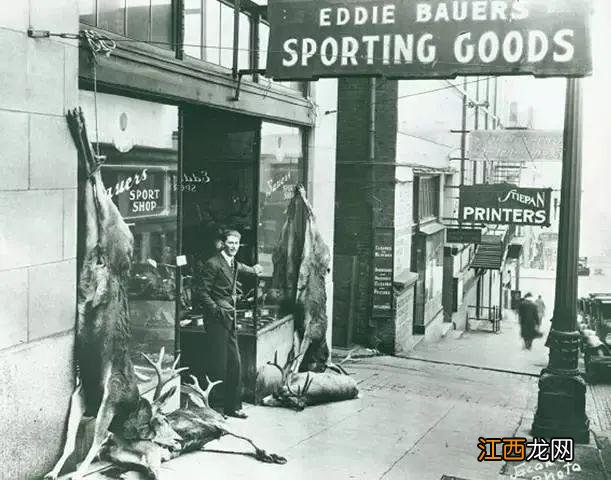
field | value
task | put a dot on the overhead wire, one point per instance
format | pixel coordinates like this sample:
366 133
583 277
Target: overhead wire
75 36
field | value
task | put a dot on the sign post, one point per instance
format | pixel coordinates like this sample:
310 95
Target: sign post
561 408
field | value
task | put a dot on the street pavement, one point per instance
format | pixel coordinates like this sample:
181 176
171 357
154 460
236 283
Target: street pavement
416 418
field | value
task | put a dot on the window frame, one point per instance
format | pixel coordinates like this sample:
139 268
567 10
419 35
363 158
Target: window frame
426 194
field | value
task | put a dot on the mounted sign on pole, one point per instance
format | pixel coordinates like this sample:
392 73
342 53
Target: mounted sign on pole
504 203
515 145
428 39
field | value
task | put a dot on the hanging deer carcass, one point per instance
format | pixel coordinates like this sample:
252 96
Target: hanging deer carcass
301 264
106 386
195 425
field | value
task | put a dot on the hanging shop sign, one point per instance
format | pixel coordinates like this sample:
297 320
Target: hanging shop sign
504 203
515 145
136 191
428 38
383 273
463 235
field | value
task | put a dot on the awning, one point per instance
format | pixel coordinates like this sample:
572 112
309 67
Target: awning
489 254
515 247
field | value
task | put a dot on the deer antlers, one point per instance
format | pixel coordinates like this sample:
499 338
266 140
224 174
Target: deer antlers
286 393
196 387
163 377
288 366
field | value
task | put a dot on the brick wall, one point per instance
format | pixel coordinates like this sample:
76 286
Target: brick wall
364 196
38 174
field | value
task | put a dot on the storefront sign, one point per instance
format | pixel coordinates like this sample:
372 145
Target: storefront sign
515 145
504 203
136 191
463 235
383 273
428 38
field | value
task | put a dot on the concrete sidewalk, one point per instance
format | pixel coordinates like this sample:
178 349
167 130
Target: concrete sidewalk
412 420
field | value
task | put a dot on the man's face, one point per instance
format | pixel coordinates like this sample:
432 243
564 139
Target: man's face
232 245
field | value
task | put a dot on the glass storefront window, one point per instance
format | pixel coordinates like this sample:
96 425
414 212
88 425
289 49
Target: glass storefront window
281 169
138 139
193 28
212 31
244 41
87 11
111 15
226 37
143 20
161 23
138 21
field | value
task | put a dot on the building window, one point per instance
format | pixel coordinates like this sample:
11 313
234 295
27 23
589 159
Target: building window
148 21
427 196
140 143
208 33
282 168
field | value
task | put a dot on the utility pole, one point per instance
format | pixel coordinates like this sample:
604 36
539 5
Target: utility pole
561 405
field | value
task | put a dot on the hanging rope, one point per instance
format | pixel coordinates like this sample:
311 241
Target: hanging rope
98 44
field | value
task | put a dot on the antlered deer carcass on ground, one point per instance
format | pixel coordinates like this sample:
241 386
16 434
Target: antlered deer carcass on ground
299 389
195 425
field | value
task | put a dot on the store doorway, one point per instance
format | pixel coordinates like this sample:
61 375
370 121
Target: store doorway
220 158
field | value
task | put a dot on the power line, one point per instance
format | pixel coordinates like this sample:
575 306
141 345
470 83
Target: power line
442 88
425 139
77 36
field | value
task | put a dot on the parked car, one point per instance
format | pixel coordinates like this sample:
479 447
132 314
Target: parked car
596 336
582 267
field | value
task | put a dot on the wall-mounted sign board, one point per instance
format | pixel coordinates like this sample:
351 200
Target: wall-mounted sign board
503 203
383 254
463 235
428 38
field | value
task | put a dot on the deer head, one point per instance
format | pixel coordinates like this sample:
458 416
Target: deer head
285 395
143 438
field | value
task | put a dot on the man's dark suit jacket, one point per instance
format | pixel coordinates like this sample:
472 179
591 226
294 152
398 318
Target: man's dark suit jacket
213 287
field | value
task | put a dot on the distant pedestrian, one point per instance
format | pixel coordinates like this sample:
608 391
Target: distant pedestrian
540 308
529 321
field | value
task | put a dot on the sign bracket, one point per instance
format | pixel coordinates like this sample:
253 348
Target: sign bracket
240 74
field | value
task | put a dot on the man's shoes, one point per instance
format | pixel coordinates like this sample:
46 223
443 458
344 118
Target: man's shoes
236 414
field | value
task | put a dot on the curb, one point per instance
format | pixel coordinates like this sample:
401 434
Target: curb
603 442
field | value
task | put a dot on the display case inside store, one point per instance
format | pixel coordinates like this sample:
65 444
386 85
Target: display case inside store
138 141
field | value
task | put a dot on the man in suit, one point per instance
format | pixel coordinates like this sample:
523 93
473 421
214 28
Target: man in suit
215 283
